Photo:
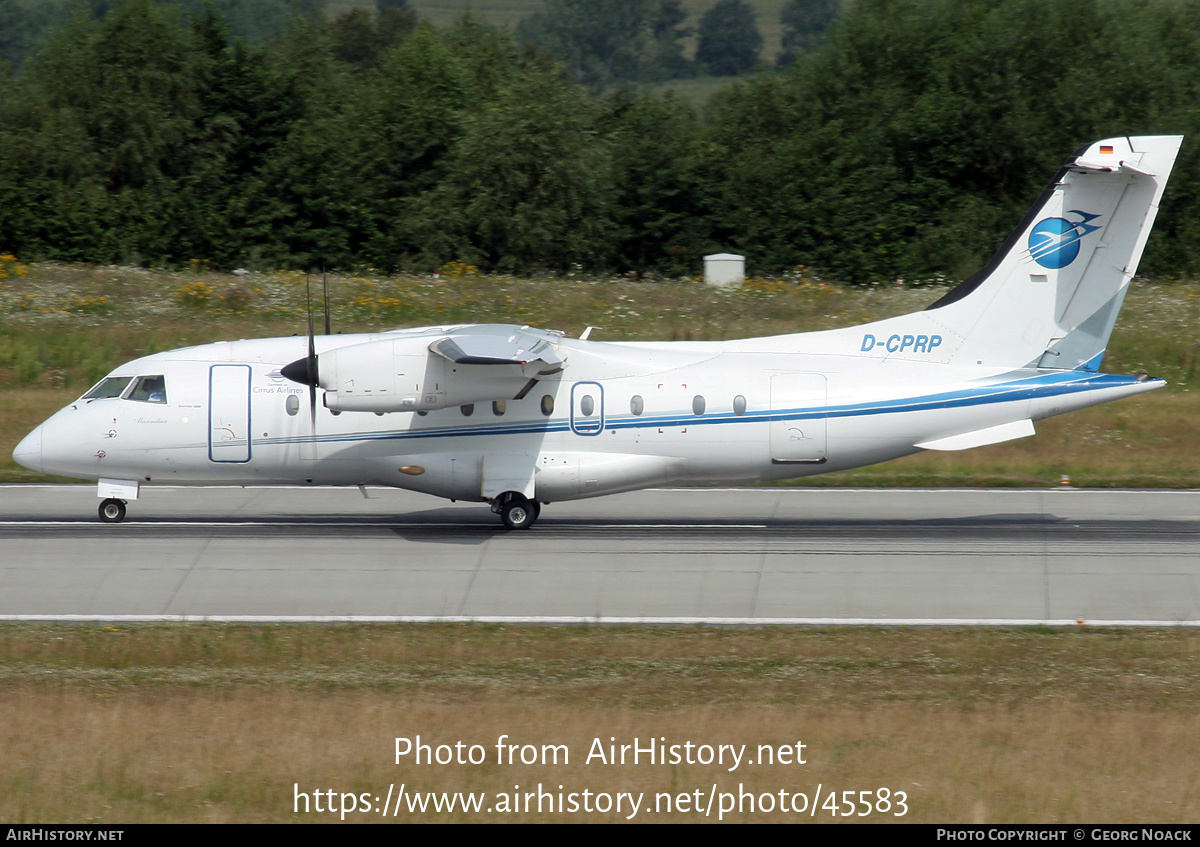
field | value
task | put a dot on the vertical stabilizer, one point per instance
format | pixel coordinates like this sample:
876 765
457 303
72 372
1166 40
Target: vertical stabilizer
1051 294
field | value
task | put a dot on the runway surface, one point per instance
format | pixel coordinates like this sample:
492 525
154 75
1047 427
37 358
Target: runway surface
732 555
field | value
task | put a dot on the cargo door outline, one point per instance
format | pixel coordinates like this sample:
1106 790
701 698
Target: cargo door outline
583 421
795 440
229 414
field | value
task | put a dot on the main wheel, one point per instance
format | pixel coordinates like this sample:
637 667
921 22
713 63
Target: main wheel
112 510
518 513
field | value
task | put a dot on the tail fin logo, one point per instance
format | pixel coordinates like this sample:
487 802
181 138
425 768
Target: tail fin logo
1054 242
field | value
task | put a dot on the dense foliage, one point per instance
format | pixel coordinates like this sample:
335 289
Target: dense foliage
804 25
603 42
906 144
729 40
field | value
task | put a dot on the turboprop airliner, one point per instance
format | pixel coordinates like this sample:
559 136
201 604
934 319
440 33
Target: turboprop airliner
520 417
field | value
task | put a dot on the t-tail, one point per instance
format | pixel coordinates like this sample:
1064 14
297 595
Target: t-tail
1049 297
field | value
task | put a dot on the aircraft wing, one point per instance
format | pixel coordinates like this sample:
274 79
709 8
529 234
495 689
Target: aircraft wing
500 348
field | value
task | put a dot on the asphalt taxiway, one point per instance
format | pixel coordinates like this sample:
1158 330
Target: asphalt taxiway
729 555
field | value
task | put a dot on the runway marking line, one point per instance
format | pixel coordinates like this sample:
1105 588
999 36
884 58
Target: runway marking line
575 620
367 521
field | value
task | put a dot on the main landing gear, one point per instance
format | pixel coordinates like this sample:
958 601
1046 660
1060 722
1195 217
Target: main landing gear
515 510
112 510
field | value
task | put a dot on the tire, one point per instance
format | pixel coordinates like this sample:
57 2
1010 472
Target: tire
518 513
112 510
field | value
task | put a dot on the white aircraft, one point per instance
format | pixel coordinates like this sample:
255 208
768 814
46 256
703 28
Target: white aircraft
518 417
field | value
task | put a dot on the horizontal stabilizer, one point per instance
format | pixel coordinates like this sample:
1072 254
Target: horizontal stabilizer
981 437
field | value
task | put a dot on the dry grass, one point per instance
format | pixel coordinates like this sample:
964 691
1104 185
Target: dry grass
211 723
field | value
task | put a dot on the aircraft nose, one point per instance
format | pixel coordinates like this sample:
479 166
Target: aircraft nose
29 451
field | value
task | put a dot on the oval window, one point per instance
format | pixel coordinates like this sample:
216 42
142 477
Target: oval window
547 404
636 404
698 405
587 405
498 407
467 410
739 405
292 404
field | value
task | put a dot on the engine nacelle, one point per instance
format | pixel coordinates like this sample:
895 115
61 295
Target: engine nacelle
404 375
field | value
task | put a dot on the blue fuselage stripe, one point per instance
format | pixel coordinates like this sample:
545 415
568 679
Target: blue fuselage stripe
1043 385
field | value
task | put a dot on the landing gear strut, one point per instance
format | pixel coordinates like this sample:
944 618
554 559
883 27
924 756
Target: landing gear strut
516 511
112 510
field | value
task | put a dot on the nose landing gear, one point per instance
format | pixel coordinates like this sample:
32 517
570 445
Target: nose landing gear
112 510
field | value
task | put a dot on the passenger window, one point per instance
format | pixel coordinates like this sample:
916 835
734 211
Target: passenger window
111 386
739 405
292 404
636 404
498 407
547 405
587 405
467 410
149 389
698 404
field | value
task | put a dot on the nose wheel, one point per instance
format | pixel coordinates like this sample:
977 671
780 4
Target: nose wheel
112 510
518 512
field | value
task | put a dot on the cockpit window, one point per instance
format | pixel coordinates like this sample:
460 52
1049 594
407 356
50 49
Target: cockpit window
111 386
148 389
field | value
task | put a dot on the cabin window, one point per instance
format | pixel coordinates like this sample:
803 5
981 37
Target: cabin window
587 405
739 405
498 407
636 404
467 410
110 386
547 405
698 405
292 404
148 389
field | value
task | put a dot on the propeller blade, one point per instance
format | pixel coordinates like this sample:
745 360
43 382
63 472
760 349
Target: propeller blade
325 286
312 360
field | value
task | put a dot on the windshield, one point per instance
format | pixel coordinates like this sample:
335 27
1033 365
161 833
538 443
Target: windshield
110 386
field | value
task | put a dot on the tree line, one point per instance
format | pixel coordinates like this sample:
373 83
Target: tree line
602 43
905 140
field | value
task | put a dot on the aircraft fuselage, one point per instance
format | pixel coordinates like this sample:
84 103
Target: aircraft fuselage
627 416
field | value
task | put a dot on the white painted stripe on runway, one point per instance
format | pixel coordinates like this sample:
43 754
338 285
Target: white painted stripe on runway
779 489
368 521
577 620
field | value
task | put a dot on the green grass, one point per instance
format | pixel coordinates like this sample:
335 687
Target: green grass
640 667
